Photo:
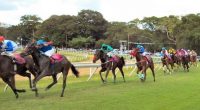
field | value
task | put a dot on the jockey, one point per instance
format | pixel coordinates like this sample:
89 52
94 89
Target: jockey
107 49
165 53
193 53
185 53
8 46
141 50
45 47
172 51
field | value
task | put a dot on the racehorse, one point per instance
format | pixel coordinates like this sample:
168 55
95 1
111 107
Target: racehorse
176 59
143 63
50 67
21 64
193 58
108 64
7 73
185 58
166 61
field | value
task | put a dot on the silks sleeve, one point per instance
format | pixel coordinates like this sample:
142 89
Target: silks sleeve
9 46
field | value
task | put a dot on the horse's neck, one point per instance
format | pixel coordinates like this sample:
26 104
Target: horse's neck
36 57
138 57
103 60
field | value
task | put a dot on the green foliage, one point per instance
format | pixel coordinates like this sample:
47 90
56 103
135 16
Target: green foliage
91 23
3 31
169 31
81 42
188 32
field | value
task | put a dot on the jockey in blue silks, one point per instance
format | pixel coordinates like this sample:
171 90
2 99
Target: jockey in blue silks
141 50
45 47
8 46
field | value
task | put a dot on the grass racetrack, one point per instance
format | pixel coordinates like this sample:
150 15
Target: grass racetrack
179 91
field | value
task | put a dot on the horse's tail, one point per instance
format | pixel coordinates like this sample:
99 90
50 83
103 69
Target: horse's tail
123 62
74 70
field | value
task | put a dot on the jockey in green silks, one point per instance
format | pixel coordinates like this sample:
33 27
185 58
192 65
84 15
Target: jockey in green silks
107 49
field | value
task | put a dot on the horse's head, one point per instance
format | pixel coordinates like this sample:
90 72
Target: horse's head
134 52
99 54
30 48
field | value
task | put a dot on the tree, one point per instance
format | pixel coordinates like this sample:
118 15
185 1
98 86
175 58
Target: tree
62 27
91 23
81 42
188 32
3 31
29 24
167 24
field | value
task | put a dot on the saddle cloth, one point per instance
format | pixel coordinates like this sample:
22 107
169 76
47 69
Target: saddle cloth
56 58
114 59
19 59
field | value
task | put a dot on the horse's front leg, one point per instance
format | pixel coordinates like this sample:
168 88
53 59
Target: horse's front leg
143 76
138 70
107 72
114 75
100 73
43 74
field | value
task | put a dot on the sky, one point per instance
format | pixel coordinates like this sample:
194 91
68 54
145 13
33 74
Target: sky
112 10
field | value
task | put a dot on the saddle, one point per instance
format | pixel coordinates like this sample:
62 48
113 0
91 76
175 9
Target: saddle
56 58
113 59
168 58
19 59
147 59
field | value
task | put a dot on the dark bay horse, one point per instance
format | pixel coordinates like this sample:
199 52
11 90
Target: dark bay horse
47 68
107 64
185 58
17 68
176 59
166 61
143 63
7 73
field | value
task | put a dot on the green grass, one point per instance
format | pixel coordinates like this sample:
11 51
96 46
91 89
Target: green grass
179 91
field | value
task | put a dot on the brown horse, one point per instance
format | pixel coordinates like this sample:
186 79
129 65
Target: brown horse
166 61
47 67
176 59
185 58
143 63
193 58
107 64
7 73
18 68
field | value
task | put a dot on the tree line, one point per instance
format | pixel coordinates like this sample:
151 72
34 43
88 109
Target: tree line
89 29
